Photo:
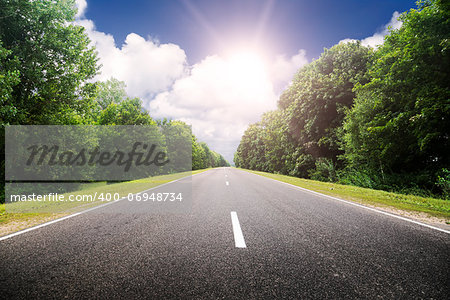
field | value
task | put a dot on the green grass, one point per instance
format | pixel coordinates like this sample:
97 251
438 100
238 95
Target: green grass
18 216
431 206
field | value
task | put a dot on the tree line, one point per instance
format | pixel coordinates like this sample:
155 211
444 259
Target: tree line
47 68
376 118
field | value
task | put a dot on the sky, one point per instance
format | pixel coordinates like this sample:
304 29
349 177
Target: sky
219 65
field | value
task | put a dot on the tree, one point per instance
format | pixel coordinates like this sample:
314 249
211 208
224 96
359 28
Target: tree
127 112
315 103
198 155
110 91
251 150
54 63
179 141
310 112
114 107
208 158
400 121
278 145
9 77
45 65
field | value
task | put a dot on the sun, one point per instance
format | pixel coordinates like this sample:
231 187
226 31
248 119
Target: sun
247 66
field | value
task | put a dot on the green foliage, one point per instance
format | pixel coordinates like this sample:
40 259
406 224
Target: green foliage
127 112
178 137
46 68
443 182
54 63
114 107
435 207
315 103
251 151
324 171
376 118
278 147
9 77
304 130
198 155
399 123
366 178
110 91
203 157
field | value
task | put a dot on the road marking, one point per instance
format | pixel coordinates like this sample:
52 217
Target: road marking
227 183
84 211
239 241
357 204
55 221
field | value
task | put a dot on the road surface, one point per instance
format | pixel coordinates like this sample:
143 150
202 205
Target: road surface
246 237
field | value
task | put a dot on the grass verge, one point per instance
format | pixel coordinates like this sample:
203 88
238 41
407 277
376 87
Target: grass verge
14 221
413 205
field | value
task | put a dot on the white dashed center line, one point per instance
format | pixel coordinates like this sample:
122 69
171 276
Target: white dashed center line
227 183
239 241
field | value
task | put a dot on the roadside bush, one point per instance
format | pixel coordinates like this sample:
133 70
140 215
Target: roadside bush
443 182
364 178
325 170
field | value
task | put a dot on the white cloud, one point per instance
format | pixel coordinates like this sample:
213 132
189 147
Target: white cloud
216 100
146 66
283 69
378 38
219 97
81 5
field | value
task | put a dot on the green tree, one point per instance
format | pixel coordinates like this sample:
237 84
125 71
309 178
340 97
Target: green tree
305 127
55 62
179 141
222 162
45 65
278 145
114 107
251 150
209 158
315 103
9 77
399 126
127 112
198 155
110 91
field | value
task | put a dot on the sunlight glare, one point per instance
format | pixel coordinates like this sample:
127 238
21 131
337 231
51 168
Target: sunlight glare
247 67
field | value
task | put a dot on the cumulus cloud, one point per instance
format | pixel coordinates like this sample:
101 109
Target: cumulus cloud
377 38
146 66
217 97
218 101
81 6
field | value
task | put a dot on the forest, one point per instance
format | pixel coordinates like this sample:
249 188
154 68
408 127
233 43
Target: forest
376 118
47 71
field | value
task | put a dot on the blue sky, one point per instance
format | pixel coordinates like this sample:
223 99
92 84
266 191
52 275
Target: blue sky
289 26
219 65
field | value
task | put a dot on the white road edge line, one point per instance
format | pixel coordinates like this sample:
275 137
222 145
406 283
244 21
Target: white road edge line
239 241
359 205
227 183
85 211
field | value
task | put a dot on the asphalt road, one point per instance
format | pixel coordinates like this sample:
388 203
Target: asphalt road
281 243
